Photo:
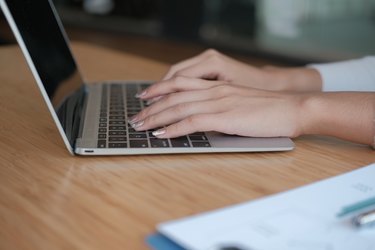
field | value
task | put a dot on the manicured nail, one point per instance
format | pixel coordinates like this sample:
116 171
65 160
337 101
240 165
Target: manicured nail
159 132
133 119
149 102
139 95
137 124
155 99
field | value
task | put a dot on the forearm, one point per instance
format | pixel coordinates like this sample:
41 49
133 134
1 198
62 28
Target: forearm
346 115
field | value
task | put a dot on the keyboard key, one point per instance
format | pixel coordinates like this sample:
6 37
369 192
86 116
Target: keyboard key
118 145
102 136
117 113
180 142
102 130
201 144
117 133
103 120
198 137
101 143
117 127
102 125
138 143
151 135
134 109
116 122
159 143
116 108
117 139
132 130
116 117
138 136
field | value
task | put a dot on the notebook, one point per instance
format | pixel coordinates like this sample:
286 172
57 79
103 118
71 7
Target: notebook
92 117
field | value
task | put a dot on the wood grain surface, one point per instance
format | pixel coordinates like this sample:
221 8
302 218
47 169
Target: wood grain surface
50 199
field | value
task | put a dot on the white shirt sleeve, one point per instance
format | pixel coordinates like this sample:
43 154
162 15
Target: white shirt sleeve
353 75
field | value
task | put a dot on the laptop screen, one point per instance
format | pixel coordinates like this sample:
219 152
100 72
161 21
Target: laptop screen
39 29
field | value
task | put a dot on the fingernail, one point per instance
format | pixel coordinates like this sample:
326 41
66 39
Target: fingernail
159 132
143 93
151 101
137 124
133 119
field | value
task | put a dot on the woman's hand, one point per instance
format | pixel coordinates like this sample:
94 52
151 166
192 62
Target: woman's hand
206 105
212 65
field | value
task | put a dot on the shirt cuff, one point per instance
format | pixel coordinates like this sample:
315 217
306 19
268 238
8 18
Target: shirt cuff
353 75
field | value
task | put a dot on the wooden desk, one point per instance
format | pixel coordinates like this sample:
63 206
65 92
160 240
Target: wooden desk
52 200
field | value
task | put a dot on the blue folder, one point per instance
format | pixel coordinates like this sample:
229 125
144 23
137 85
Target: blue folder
160 242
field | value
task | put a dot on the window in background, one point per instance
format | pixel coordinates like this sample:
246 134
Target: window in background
303 30
311 30
317 29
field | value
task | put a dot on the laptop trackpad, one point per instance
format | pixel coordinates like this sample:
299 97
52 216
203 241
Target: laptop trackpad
220 140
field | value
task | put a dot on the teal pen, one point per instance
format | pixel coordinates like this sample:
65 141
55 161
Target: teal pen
357 206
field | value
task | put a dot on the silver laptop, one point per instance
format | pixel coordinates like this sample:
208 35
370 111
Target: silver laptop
92 118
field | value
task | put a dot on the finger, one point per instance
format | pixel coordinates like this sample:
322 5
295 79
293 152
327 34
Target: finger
210 66
208 69
189 125
169 101
188 63
173 99
176 84
176 113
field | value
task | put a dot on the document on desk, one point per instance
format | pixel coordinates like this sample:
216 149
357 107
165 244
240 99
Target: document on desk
304 218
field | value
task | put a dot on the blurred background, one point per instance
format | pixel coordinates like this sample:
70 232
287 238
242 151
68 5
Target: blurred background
291 32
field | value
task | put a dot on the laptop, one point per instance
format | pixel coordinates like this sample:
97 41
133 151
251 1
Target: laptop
92 118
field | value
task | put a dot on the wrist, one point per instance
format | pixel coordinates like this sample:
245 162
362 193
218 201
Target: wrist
345 115
311 114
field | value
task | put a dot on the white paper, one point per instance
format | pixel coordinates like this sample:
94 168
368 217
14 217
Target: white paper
300 219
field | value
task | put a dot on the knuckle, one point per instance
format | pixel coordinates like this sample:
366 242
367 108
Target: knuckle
150 120
215 57
179 80
147 112
182 108
192 121
168 100
196 122
141 115
224 89
173 67
212 52
230 101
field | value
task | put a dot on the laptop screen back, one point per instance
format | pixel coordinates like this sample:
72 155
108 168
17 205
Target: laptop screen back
39 28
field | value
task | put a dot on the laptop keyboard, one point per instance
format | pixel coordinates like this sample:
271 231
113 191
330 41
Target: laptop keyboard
115 132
